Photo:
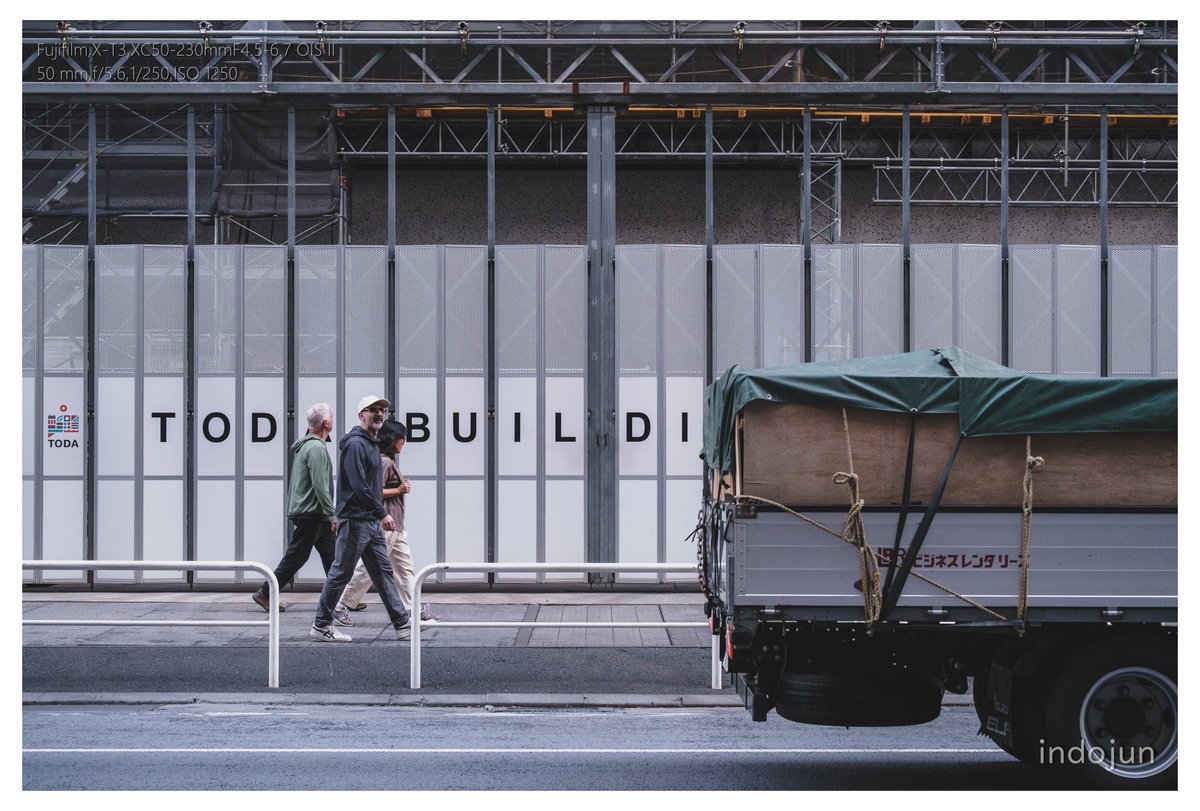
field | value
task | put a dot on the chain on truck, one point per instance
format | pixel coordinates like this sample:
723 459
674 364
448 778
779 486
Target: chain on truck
879 531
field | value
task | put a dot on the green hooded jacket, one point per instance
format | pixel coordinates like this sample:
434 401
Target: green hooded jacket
311 490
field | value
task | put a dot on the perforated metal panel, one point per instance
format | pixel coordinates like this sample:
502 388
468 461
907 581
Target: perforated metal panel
684 344
417 309
881 290
1077 327
217 304
980 287
783 309
64 308
1166 298
934 296
317 331
637 309
956 298
365 324
466 308
117 271
835 291
264 307
735 307
566 310
1032 273
517 299
29 308
1131 276
164 323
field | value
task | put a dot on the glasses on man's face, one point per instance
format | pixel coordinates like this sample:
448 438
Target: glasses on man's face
375 409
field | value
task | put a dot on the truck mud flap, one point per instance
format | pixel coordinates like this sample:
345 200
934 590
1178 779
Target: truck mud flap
996 717
753 698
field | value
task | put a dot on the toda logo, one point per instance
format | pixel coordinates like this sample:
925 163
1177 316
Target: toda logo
58 426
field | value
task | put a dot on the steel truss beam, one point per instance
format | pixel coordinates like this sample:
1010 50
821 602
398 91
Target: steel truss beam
535 139
576 63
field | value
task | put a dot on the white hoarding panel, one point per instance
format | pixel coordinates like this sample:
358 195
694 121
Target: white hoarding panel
27 526
464 526
517 531
464 426
565 526
416 407
684 430
263 523
63 424
162 530
420 519
114 527
565 416
683 503
217 426
163 424
637 526
517 426
62 527
265 437
215 530
637 413
116 421
31 427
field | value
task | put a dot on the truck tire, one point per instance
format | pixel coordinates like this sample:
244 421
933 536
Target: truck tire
1112 716
860 700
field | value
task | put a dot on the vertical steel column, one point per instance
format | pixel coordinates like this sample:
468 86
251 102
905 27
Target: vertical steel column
806 234
1105 293
708 244
89 484
491 451
390 385
905 219
189 437
290 387
1005 270
602 345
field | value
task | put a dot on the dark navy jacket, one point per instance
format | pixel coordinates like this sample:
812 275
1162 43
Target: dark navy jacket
360 479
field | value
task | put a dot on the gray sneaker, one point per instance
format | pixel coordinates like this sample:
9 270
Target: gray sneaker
327 634
427 615
404 632
341 616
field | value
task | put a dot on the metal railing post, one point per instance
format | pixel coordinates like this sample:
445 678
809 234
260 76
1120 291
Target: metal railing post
272 622
414 659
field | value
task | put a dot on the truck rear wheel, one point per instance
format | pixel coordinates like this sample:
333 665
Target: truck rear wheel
1112 716
859 700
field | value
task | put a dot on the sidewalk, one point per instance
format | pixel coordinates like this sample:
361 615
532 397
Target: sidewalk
614 667
528 667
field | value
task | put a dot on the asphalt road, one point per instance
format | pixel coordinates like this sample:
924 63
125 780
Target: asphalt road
246 747
366 669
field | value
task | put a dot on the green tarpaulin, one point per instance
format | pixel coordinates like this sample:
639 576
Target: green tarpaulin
990 399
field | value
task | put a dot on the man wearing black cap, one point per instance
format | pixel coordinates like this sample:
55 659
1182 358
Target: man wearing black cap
362 520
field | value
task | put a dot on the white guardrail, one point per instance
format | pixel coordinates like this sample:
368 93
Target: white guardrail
272 621
414 662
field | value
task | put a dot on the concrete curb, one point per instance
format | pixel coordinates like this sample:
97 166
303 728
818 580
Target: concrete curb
484 700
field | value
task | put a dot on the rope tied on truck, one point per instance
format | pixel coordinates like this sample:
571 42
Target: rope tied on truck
1032 463
856 534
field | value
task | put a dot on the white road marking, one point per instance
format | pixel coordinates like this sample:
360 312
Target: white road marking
518 751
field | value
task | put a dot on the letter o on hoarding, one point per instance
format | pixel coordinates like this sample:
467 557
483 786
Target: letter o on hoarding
206 427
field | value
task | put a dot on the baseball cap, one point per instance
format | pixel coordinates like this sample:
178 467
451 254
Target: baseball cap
371 400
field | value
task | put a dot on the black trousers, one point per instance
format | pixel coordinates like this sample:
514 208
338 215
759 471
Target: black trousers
307 534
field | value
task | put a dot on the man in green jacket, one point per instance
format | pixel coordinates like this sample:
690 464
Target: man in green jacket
310 503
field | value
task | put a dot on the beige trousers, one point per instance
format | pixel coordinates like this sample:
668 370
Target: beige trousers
402 573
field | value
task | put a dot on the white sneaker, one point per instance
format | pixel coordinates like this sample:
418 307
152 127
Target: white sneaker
404 632
327 634
427 615
341 616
